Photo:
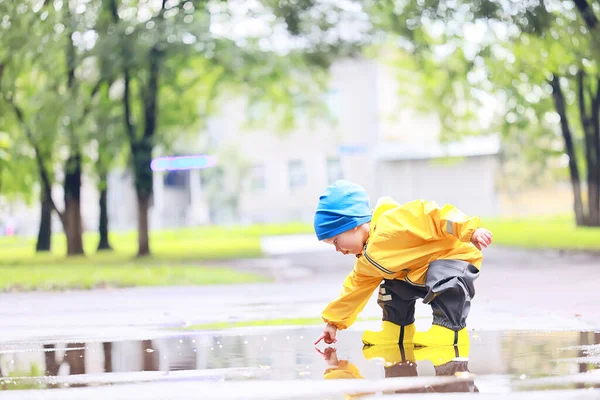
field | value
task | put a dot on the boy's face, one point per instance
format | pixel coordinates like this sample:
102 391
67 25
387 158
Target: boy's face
349 242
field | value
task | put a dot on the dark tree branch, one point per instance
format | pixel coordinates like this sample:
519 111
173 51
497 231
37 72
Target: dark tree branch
596 100
590 150
46 184
587 13
114 11
150 98
130 128
596 129
581 96
71 64
561 109
150 93
93 93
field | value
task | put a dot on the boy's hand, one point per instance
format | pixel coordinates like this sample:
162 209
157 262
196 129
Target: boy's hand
329 355
328 335
481 238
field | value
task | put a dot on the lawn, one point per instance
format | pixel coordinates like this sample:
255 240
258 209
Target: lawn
189 256
187 244
180 257
544 233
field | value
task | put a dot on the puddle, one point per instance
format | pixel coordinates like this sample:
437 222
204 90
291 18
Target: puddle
495 362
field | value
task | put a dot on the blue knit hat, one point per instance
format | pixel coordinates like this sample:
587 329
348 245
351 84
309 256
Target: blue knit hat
343 206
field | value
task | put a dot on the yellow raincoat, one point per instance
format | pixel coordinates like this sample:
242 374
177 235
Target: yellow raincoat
403 240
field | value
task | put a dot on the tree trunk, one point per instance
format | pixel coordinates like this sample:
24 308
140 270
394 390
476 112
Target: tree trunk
75 358
44 238
593 218
141 148
103 244
559 103
73 226
595 143
143 237
52 366
142 156
107 346
150 358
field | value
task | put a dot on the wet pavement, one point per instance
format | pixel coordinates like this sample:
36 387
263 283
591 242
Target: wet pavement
533 336
283 363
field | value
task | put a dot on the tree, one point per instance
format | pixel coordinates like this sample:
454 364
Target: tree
24 69
49 83
39 85
182 31
4 155
538 59
106 132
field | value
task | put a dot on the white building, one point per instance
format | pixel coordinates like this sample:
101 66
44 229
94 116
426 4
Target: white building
375 143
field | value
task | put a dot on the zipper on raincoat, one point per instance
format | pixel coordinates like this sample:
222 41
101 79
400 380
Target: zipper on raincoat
375 264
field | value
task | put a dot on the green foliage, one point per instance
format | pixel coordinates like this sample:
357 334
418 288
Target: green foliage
26 384
4 154
31 100
454 57
114 80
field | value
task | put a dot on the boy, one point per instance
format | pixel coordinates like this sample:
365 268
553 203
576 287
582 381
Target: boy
417 249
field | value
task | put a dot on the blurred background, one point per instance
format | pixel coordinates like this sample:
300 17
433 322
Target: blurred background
191 129
172 143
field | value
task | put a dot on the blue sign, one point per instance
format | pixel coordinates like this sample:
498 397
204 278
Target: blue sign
353 149
183 163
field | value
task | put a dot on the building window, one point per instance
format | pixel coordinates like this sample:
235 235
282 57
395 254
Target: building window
333 100
334 170
176 179
257 178
297 174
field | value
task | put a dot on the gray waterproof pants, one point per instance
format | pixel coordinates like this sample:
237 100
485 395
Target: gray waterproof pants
448 288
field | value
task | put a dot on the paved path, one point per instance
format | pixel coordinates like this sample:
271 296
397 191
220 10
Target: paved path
519 282
517 290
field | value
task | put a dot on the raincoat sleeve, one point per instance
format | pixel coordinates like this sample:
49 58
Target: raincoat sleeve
357 290
431 220
344 370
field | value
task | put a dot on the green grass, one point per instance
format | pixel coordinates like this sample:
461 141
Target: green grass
188 244
88 276
179 257
544 233
34 372
184 256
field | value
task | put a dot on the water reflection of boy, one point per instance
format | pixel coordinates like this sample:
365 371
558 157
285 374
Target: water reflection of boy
448 361
339 369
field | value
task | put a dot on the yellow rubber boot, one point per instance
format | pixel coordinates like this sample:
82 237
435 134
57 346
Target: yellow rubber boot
440 336
390 333
391 354
441 355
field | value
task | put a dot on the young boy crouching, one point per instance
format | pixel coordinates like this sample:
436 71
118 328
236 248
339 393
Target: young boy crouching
412 251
